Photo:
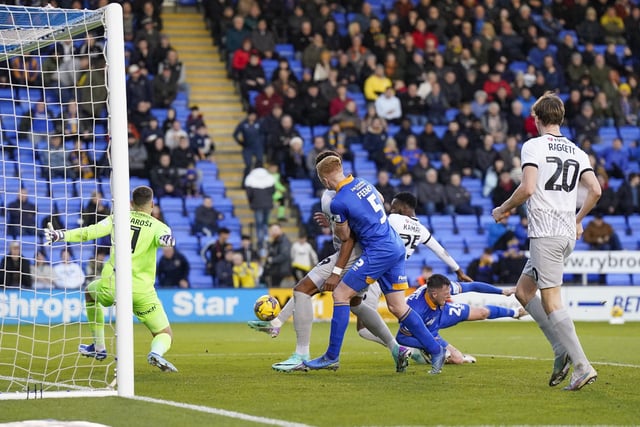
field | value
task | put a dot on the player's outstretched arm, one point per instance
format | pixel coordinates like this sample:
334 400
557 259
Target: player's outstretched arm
442 253
51 235
481 287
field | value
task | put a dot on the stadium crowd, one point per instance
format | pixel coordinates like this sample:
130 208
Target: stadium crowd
434 93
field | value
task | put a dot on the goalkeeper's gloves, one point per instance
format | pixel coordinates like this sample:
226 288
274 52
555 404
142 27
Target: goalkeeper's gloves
52 235
167 240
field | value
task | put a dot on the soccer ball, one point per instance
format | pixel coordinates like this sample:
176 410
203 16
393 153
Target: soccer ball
616 311
266 307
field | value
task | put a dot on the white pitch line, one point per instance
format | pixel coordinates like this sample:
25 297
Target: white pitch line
504 356
221 412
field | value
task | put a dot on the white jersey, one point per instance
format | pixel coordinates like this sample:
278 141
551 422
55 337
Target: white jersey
413 233
552 207
325 204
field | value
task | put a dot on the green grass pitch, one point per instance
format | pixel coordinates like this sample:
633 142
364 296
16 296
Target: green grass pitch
228 367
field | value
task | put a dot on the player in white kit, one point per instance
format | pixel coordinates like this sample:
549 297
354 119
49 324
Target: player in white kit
552 168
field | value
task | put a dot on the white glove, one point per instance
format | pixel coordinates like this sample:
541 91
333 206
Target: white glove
52 235
167 240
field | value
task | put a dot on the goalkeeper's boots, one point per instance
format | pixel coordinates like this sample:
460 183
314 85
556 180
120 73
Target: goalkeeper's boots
561 366
401 355
264 326
323 362
294 363
89 350
437 361
155 359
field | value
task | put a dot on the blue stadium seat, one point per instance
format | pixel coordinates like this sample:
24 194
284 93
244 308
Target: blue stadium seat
285 50
269 65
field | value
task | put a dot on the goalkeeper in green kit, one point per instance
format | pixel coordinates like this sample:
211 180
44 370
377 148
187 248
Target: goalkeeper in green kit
147 235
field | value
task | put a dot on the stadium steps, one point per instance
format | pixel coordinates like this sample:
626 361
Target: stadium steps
218 100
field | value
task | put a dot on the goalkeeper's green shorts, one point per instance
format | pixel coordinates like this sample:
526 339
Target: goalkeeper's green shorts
147 306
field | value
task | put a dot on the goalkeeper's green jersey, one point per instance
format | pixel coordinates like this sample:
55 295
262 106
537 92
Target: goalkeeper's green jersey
145 234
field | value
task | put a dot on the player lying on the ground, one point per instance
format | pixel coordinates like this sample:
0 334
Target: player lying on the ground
432 303
148 234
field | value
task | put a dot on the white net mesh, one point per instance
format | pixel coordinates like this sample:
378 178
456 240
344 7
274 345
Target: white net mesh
54 168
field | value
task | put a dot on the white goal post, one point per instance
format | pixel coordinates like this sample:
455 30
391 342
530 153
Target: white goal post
63 138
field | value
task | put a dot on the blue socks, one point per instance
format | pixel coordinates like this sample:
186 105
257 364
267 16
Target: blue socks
339 324
416 326
496 312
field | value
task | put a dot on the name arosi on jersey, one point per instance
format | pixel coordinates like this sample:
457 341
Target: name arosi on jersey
140 222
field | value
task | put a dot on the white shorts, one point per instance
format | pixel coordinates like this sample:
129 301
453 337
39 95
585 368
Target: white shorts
371 295
321 272
546 260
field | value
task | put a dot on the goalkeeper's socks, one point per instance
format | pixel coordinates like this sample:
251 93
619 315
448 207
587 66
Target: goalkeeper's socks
95 315
161 343
496 312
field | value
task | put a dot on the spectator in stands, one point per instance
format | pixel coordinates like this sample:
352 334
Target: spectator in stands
612 27
164 89
629 195
214 251
303 256
266 100
429 142
202 143
411 153
436 105
224 269
245 274
173 269
376 84
412 106
629 107
260 188
143 57
42 272
172 136
608 202
295 164
150 133
323 71
252 77
316 107
21 215
154 151
616 159
240 58
510 263
509 152
479 104
55 158
374 141
347 74
339 102
462 156
183 155
484 157
68 273
278 263
385 188
350 125
494 122
459 200
246 249
25 71
388 106
139 87
483 268
264 40
167 123
421 168
603 110
431 194
504 189
95 210
250 136
138 157
451 89
599 71
206 218
165 179
575 69
393 160
235 35
15 270
600 235
585 125
95 265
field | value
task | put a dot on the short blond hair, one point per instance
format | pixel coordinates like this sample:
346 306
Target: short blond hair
328 165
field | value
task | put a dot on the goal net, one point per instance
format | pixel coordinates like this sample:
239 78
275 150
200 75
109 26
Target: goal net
62 122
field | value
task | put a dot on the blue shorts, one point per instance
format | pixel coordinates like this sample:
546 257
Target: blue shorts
386 267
